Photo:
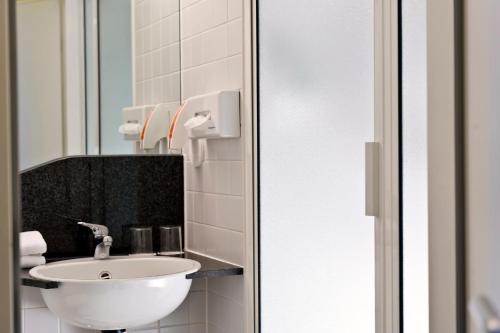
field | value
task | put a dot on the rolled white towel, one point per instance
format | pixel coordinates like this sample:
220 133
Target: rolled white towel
32 261
31 242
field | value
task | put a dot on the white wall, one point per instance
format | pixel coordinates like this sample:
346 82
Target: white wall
40 82
482 76
51 80
74 80
42 116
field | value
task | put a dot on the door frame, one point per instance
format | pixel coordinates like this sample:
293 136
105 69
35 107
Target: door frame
9 301
388 305
447 285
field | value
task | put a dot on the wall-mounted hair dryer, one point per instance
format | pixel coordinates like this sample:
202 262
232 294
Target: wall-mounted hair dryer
211 116
148 126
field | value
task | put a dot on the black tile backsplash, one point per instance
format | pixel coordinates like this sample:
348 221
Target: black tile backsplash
117 191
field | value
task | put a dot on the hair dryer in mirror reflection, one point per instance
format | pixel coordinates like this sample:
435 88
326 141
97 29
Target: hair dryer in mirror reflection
166 128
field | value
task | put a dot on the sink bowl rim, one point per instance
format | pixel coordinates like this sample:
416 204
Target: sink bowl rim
34 272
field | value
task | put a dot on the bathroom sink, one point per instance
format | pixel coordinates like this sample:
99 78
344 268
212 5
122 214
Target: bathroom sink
116 293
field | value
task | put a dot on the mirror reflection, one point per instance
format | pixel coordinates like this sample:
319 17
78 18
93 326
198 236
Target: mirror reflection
77 71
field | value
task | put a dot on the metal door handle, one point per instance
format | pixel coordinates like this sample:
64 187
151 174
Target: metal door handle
372 151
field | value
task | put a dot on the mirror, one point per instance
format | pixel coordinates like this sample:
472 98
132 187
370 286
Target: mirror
80 62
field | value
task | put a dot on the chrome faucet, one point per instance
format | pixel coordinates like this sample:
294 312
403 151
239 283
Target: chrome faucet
100 233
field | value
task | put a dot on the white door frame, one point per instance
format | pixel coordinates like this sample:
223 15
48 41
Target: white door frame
9 314
386 85
446 173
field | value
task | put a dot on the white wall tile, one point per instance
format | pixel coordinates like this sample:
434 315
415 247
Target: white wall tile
218 210
40 321
231 287
220 243
170 59
199 285
139 15
156 65
156 10
235 9
202 16
235 37
235 72
170 87
206 47
148 66
140 93
155 35
157 91
185 3
157 58
236 178
215 329
216 177
224 150
169 32
147 38
148 92
139 41
211 59
197 307
169 7
223 74
147 13
223 312
189 205
197 328
31 298
139 68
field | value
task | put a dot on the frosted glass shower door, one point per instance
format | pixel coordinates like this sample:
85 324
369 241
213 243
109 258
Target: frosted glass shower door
316 111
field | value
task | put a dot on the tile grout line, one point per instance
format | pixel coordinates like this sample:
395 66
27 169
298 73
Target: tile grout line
206 31
211 62
226 297
216 227
216 194
206 305
220 60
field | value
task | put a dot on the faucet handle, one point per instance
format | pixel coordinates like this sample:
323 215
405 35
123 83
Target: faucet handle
99 231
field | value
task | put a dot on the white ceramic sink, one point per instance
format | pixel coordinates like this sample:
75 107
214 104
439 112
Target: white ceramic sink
116 293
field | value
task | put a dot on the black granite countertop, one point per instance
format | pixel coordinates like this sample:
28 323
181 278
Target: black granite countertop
210 268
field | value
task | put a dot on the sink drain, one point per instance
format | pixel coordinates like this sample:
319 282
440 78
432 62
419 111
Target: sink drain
105 275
